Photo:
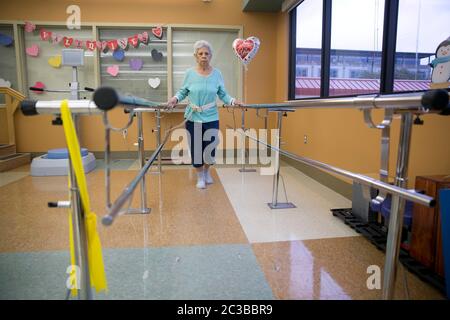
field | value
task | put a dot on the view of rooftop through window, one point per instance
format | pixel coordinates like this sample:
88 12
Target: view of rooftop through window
356 45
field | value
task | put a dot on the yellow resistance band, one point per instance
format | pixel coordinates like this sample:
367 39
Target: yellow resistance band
95 258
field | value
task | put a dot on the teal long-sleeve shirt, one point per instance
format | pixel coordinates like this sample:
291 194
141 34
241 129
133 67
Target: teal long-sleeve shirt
202 90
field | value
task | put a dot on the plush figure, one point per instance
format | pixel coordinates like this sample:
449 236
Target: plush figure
441 65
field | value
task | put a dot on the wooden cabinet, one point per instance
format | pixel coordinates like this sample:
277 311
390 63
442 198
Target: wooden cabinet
426 239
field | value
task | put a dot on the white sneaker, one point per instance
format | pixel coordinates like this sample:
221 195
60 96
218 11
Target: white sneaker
201 181
208 178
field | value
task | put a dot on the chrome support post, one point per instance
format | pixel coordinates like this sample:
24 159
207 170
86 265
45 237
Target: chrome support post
244 147
397 209
276 178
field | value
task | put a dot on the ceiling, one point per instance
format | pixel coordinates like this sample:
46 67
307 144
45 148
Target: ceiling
261 5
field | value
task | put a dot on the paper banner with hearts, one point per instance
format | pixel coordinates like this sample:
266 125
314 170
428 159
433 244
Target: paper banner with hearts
105 46
91 45
156 55
45 35
123 43
29 27
143 37
136 64
55 61
67 41
5 40
33 51
39 85
154 82
134 41
99 45
5 83
113 70
246 49
112 45
78 43
119 55
56 38
158 32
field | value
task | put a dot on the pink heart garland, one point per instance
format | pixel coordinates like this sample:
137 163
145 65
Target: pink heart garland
45 35
91 45
123 43
33 50
158 32
113 70
29 27
133 40
99 44
246 49
67 41
143 37
56 38
78 44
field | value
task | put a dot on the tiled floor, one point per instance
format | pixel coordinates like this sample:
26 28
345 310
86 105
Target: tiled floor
219 243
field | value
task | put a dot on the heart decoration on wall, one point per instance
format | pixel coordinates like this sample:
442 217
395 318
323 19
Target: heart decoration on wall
113 70
55 61
134 41
6 40
246 49
158 32
156 55
91 45
112 45
78 43
56 38
29 27
123 43
67 41
119 55
5 83
136 64
154 82
39 85
45 35
33 51
143 37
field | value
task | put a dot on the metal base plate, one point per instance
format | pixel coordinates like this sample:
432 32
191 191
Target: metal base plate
138 211
282 205
247 170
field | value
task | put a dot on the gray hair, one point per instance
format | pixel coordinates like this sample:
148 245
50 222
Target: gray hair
202 44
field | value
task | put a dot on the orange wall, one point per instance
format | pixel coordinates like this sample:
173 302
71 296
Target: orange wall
259 79
339 137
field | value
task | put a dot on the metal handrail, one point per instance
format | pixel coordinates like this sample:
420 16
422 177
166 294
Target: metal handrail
403 193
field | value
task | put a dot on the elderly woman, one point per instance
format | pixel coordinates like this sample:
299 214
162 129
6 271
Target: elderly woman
201 85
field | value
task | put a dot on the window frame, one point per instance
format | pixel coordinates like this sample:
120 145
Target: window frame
387 57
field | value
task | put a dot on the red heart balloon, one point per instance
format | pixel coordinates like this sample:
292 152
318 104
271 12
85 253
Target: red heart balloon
246 49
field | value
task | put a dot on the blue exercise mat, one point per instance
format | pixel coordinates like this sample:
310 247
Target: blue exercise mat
63 153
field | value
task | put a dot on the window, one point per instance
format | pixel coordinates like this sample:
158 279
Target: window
223 58
142 70
8 73
416 46
308 47
38 68
358 40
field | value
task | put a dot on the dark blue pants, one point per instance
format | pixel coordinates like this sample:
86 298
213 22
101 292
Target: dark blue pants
203 140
